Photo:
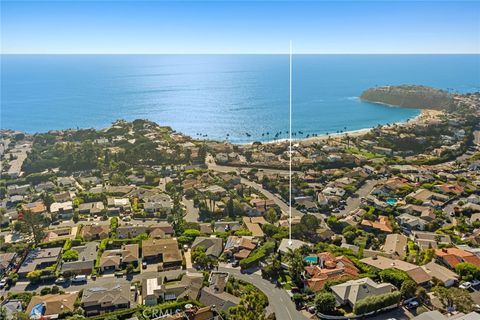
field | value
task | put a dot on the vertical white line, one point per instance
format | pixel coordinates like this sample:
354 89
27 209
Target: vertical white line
290 154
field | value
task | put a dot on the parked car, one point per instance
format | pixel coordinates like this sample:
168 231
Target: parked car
412 304
119 274
144 265
465 285
3 283
475 282
235 263
79 279
60 280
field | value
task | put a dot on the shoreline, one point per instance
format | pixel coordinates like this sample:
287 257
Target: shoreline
425 114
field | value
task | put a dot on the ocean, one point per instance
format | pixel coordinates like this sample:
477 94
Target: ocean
239 98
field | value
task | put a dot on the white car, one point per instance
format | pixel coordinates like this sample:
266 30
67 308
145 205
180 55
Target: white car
465 285
3 283
79 279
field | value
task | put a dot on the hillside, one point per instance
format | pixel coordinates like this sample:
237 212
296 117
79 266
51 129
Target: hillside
410 96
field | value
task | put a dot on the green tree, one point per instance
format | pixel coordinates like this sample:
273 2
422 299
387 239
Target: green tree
130 268
70 255
325 302
230 207
422 295
467 271
201 259
34 275
273 267
271 215
374 303
296 264
113 226
3 312
408 289
394 276
32 225
350 236
456 298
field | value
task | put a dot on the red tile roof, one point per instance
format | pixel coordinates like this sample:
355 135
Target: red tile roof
453 256
333 268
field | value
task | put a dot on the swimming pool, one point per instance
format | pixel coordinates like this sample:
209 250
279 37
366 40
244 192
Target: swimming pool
391 201
311 259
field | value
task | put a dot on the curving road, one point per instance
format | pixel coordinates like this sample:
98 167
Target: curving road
278 298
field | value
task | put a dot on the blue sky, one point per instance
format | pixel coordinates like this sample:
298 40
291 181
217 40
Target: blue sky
240 27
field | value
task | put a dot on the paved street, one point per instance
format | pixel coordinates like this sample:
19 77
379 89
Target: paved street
192 213
106 279
283 206
210 162
279 202
278 298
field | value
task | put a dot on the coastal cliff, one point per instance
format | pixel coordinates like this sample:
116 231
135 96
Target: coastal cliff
410 96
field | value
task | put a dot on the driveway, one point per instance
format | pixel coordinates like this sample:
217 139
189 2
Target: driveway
279 202
279 300
354 203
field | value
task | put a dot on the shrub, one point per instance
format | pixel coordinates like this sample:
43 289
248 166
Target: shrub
325 302
34 275
374 303
394 276
45 291
467 271
70 255
258 254
408 288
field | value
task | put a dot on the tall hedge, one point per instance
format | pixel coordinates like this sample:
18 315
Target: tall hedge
374 303
258 254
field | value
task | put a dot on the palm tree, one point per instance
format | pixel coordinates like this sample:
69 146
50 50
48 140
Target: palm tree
295 262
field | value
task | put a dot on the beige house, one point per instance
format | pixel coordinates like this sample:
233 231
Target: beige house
157 289
396 245
350 292
162 250
54 304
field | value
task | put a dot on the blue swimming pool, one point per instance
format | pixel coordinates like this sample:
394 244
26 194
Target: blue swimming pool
311 259
391 201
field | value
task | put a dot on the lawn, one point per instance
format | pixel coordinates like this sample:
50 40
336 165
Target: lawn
363 152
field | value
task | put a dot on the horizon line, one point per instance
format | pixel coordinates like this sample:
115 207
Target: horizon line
240 53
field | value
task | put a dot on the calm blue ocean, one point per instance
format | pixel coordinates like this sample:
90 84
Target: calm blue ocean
217 95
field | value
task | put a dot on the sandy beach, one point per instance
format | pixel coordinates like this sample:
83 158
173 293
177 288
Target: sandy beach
424 116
